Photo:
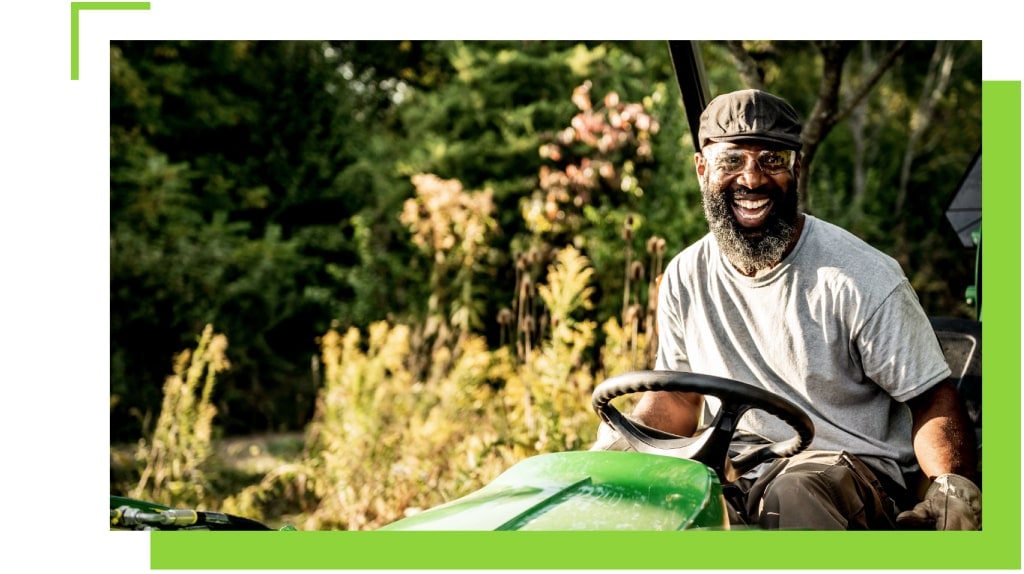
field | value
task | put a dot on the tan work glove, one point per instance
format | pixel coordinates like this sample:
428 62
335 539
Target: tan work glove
609 439
952 502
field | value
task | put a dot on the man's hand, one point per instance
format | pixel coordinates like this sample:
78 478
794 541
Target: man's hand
609 439
951 503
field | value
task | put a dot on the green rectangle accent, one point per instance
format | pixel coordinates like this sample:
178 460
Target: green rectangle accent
1001 308
997 547
569 550
76 7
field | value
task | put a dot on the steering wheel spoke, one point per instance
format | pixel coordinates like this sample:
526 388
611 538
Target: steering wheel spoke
709 446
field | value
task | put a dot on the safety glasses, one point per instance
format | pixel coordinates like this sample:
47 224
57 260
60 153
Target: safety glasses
734 161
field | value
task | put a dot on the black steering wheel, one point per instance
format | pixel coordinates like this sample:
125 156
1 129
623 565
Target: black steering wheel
710 446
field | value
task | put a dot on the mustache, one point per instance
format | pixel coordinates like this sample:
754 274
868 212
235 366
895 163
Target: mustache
740 192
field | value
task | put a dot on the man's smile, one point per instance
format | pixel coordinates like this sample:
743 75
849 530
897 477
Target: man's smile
751 211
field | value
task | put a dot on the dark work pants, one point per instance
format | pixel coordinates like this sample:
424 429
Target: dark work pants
815 490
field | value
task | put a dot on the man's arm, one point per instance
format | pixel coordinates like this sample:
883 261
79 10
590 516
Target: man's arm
944 445
943 438
674 412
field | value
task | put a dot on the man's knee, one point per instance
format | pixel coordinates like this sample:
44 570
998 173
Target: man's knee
812 496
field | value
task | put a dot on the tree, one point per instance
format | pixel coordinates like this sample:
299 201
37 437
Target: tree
238 171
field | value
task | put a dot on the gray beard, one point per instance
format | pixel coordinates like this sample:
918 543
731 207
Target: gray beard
749 250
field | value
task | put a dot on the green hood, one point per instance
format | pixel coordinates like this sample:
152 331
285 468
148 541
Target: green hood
584 490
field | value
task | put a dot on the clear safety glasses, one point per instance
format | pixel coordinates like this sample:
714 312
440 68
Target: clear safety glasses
734 161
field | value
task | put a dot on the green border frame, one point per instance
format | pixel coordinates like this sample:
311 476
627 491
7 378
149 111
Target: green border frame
77 7
997 547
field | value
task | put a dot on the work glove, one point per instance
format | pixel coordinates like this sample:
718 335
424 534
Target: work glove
952 502
609 439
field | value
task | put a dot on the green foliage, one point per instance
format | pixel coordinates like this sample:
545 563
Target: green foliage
228 206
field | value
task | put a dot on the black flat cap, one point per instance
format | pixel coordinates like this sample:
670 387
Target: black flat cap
752 116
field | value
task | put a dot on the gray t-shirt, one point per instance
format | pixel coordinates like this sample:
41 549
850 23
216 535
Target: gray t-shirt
836 328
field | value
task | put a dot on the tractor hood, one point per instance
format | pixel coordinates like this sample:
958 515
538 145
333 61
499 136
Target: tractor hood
584 490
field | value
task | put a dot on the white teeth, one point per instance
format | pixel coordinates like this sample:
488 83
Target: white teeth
752 204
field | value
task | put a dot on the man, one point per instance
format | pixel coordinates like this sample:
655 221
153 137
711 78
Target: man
779 299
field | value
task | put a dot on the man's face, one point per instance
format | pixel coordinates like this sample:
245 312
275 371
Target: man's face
750 201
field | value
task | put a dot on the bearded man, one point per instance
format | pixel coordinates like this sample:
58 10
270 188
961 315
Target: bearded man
782 300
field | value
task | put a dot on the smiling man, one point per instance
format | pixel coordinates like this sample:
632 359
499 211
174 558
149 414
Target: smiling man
753 213
782 300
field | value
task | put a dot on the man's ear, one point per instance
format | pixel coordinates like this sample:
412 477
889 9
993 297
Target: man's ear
700 162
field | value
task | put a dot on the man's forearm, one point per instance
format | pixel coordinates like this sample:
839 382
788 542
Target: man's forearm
672 412
943 438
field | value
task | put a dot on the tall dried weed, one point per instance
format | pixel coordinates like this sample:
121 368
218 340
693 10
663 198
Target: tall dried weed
175 456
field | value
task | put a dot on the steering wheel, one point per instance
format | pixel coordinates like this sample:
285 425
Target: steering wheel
710 446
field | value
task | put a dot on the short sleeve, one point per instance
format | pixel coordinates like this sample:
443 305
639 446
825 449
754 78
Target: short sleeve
899 350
